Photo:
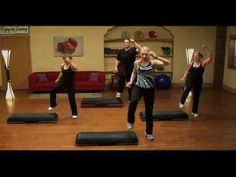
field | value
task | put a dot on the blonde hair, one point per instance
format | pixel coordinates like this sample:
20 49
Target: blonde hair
145 48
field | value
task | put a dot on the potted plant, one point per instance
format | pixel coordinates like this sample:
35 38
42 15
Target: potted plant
166 50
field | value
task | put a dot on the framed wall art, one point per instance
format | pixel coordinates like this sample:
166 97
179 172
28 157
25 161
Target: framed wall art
68 45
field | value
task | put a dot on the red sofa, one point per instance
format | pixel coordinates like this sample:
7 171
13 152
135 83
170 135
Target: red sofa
84 81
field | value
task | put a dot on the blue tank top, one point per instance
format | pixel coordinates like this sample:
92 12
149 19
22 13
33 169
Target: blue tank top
145 77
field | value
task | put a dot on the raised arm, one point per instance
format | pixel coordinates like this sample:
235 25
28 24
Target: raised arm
136 44
152 54
208 60
73 65
157 62
164 60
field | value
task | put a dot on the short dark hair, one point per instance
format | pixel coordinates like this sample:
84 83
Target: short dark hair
65 56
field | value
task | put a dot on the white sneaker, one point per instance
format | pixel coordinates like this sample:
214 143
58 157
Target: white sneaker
130 126
74 116
118 95
50 108
150 137
195 115
181 105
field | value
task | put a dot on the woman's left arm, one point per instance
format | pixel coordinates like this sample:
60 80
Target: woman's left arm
208 60
161 59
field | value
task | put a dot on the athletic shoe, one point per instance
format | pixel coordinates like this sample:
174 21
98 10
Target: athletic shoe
74 116
50 108
181 105
150 137
118 95
130 126
195 115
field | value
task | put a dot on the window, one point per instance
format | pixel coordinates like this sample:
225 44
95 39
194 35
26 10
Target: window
232 52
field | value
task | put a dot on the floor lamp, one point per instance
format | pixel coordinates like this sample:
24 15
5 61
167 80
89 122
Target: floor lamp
6 56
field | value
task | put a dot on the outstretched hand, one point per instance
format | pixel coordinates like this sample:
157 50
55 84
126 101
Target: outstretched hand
131 40
205 48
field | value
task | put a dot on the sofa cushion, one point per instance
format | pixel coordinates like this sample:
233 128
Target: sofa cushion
42 77
93 77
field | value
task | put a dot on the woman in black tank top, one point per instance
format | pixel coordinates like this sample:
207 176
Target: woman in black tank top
194 78
66 81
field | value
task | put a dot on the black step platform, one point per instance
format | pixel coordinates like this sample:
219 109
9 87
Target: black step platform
101 102
18 118
106 138
167 115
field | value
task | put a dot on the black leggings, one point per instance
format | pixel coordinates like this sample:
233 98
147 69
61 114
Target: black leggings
196 85
59 86
148 95
121 83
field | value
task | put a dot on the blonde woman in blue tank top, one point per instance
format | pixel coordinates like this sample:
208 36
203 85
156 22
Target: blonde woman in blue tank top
144 86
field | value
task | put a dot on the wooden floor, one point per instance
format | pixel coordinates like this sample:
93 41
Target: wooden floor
214 130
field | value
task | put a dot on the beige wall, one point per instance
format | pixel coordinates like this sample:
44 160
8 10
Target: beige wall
42 47
229 74
192 37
